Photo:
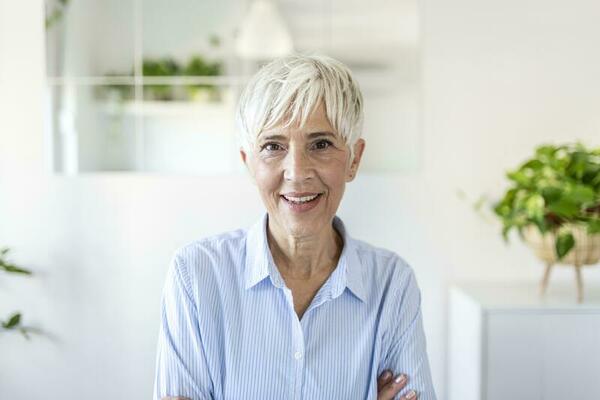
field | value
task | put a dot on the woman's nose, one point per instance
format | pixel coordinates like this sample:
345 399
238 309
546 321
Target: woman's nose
298 166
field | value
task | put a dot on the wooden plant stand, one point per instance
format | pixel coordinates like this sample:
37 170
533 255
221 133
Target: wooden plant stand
586 252
578 279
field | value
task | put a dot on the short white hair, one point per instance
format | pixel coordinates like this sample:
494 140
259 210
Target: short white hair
287 89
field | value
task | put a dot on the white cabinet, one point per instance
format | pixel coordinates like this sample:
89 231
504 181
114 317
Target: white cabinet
507 342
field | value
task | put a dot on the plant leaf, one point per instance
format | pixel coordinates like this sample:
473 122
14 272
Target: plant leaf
533 164
480 202
14 269
579 160
519 177
593 226
581 194
12 321
24 333
551 194
545 151
505 231
535 207
542 225
564 243
564 207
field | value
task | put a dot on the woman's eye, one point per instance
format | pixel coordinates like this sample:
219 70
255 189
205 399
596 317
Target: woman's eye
322 144
271 147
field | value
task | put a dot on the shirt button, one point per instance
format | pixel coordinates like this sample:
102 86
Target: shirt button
298 355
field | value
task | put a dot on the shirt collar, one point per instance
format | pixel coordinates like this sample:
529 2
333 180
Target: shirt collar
259 262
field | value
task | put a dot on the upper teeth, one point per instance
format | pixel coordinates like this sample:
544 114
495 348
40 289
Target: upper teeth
301 199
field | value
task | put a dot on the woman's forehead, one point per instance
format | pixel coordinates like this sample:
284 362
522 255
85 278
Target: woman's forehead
316 122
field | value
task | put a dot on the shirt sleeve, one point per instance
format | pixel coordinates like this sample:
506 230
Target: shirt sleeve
407 350
181 367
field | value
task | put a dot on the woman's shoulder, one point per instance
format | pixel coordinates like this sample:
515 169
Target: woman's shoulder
383 263
211 251
379 255
207 267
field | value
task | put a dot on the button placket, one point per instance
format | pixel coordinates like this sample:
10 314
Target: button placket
297 350
299 373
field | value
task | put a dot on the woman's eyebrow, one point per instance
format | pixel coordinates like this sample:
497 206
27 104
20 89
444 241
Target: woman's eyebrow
273 137
318 134
311 135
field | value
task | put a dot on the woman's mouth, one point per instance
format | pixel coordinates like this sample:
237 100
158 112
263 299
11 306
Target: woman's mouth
301 204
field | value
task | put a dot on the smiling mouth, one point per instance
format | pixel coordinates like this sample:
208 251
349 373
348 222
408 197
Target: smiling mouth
301 200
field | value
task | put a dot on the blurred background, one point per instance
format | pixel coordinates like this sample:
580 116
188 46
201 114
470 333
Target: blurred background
117 146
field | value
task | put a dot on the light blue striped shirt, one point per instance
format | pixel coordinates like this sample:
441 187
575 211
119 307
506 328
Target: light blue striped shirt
229 330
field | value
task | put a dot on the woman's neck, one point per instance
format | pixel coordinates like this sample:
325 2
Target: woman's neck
305 258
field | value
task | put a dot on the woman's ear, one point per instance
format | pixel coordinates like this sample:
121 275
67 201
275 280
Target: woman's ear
359 148
246 161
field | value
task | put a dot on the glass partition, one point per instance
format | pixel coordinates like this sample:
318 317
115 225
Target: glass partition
151 85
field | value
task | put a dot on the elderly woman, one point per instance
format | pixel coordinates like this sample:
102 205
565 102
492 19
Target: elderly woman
294 307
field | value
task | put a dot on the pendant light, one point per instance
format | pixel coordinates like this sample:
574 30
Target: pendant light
263 33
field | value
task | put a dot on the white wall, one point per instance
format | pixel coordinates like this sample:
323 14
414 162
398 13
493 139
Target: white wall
502 77
499 78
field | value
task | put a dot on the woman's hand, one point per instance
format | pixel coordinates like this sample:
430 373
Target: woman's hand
388 386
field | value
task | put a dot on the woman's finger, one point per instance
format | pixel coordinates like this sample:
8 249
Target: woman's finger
392 388
411 395
384 378
175 398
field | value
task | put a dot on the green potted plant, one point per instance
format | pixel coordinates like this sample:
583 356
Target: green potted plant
13 322
554 203
198 66
164 67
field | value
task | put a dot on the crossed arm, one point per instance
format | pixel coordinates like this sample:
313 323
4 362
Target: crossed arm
387 388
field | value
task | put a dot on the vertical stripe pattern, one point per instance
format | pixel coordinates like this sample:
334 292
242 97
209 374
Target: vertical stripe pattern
229 330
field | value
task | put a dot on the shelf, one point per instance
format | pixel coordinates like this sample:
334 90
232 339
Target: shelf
222 80
195 109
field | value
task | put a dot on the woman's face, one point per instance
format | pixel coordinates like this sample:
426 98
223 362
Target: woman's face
301 173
